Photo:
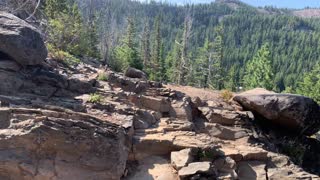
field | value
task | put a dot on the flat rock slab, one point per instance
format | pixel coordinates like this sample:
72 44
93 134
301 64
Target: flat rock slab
194 168
164 143
60 145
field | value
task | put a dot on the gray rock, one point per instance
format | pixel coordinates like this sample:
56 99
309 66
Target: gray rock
294 112
224 117
226 167
60 145
227 133
128 84
145 119
251 170
10 82
180 159
9 65
156 104
135 73
181 110
194 168
21 41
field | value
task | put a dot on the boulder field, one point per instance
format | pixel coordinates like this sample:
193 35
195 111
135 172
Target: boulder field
61 123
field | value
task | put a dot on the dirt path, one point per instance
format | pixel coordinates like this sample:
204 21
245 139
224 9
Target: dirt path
204 94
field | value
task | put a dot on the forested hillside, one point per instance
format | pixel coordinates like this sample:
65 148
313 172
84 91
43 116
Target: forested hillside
212 43
222 45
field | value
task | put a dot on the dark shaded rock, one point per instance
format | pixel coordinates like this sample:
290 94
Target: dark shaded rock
128 84
10 82
21 41
9 65
294 112
135 73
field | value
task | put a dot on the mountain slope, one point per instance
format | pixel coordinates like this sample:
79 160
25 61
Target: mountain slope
293 41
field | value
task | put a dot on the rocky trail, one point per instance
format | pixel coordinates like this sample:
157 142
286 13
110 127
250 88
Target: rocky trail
63 122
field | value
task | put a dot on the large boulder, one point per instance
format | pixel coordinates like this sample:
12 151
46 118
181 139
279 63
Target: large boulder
135 73
43 144
20 41
294 112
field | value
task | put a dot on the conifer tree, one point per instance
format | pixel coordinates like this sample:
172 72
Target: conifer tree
259 71
156 52
202 64
65 25
127 54
173 61
310 85
230 83
145 47
216 76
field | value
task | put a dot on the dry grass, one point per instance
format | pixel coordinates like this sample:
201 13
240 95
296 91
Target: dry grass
226 95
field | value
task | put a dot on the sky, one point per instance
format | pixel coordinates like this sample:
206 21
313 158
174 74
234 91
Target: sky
297 4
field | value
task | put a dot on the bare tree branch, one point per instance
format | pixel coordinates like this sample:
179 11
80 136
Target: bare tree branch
34 11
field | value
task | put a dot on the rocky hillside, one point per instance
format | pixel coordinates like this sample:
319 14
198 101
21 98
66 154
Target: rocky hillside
87 122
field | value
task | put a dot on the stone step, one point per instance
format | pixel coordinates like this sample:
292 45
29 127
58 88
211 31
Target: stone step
164 143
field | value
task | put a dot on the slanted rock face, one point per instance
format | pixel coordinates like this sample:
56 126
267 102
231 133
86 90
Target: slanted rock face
42 144
21 41
297 113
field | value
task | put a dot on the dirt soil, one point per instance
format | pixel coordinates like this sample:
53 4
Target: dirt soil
204 94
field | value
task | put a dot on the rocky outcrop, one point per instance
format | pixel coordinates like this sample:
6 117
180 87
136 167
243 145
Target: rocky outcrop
294 112
20 41
43 144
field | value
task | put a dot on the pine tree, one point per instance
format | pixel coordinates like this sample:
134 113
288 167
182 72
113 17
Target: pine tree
216 76
127 54
259 71
310 85
145 47
65 25
202 64
173 61
156 53
89 36
230 84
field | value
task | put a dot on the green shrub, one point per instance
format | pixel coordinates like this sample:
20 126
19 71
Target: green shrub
95 98
226 95
62 55
103 76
